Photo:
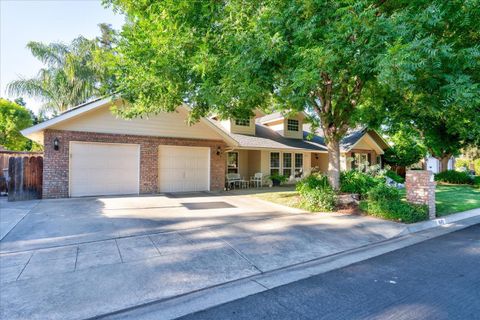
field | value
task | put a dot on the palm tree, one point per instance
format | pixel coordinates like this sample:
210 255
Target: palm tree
69 77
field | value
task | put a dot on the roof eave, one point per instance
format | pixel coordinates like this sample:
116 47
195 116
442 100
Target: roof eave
65 116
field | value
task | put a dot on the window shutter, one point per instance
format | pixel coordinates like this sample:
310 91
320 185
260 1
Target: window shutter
354 163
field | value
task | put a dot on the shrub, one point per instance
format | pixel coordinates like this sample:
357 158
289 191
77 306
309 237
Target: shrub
476 181
385 202
275 177
455 177
353 181
316 193
383 192
395 210
394 176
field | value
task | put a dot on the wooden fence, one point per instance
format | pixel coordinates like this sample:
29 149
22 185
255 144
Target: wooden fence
26 177
4 156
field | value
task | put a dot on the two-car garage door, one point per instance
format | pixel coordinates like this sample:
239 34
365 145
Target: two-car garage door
114 168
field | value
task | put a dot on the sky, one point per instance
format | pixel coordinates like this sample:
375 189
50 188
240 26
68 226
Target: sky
46 21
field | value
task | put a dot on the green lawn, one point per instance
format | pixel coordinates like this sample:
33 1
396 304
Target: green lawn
286 198
449 199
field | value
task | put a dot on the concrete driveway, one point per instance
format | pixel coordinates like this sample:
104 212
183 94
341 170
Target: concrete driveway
79 258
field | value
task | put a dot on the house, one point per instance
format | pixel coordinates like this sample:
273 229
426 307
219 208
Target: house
433 164
90 151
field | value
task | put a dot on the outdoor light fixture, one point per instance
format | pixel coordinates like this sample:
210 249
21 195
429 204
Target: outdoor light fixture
55 144
219 150
316 156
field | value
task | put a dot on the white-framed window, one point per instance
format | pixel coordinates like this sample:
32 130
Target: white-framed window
379 161
242 122
232 162
287 164
292 125
298 165
361 161
274 163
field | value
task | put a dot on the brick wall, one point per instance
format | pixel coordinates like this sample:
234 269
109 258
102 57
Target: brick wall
420 188
55 165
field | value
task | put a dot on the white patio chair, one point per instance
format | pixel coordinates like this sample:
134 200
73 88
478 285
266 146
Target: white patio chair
257 179
233 179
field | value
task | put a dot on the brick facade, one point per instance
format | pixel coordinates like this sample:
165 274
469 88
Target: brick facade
420 188
56 162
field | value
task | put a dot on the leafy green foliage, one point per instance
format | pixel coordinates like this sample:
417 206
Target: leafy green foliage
395 210
382 192
385 202
353 181
466 164
476 181
229 57
394 176
462 163
411 62
431 74
406 149
277 177
316 193
455 177
14 118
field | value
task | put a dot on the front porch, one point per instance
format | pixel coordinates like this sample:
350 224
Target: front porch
294 164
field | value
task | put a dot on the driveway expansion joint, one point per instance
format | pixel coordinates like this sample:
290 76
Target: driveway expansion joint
397 242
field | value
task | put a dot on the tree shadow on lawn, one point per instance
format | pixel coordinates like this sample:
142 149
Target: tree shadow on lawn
456 198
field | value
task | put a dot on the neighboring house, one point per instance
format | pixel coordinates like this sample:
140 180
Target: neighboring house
433 164
90 151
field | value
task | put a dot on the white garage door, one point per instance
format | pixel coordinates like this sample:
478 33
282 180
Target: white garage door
104 169
182 169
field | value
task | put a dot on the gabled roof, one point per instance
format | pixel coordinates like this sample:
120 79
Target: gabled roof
37 130
266 138
352 138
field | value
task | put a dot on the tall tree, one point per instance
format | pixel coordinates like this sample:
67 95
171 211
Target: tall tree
13 118
433 71
232 56
72 73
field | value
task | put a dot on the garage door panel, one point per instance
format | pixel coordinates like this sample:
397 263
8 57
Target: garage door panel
183 169
104 169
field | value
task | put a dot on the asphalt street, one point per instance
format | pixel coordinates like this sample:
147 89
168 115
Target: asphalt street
436 279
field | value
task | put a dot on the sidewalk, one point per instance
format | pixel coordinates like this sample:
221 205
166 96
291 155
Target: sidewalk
104 277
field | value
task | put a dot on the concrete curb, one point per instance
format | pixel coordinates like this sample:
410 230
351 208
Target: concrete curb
175 307
425 225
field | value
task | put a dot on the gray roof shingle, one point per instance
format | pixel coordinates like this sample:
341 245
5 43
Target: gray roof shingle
270 139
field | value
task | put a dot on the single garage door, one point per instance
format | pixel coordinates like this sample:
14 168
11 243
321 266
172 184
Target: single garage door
104 169
183 169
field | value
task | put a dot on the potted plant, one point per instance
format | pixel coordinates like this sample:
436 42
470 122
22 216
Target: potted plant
277 179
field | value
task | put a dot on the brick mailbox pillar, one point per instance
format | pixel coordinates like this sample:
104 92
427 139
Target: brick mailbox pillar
420 187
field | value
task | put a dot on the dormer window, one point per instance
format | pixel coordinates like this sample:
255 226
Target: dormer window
292 125
242 122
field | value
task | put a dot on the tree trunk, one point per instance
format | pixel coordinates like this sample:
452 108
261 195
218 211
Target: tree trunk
444 162
333 147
